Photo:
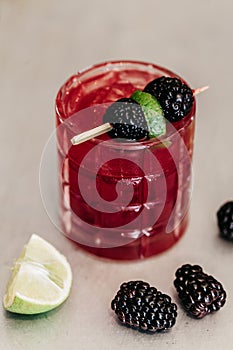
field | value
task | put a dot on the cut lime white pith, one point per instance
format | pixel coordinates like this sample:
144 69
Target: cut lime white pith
41 279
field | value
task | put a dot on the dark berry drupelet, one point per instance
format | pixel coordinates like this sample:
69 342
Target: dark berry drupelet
200 293
128 120
143 307
175 97
225 220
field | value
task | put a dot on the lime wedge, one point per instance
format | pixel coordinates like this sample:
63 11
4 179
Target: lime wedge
153 113
41 279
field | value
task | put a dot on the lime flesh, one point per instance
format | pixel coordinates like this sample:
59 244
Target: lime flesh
41 279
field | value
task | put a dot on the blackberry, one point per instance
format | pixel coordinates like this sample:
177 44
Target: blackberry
128 120
200 293
175 97
225 221
143 307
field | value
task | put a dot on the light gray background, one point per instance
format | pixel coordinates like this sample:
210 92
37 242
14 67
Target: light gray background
41 44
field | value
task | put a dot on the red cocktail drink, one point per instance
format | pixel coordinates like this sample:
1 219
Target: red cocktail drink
122 200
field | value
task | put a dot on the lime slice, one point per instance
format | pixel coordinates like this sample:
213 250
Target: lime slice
41 279
153 113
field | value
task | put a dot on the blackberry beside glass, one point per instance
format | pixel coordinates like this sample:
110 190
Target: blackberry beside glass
200 294
143 307
225 220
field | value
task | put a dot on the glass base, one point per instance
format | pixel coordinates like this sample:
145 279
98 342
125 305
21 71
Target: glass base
141 248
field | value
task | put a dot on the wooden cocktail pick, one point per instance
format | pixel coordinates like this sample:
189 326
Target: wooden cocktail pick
87 135
199 90
102 129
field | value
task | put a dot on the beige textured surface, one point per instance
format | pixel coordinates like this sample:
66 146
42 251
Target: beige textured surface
41 44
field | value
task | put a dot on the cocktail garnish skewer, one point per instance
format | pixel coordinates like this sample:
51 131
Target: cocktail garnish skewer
102 129
87 135
199 90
